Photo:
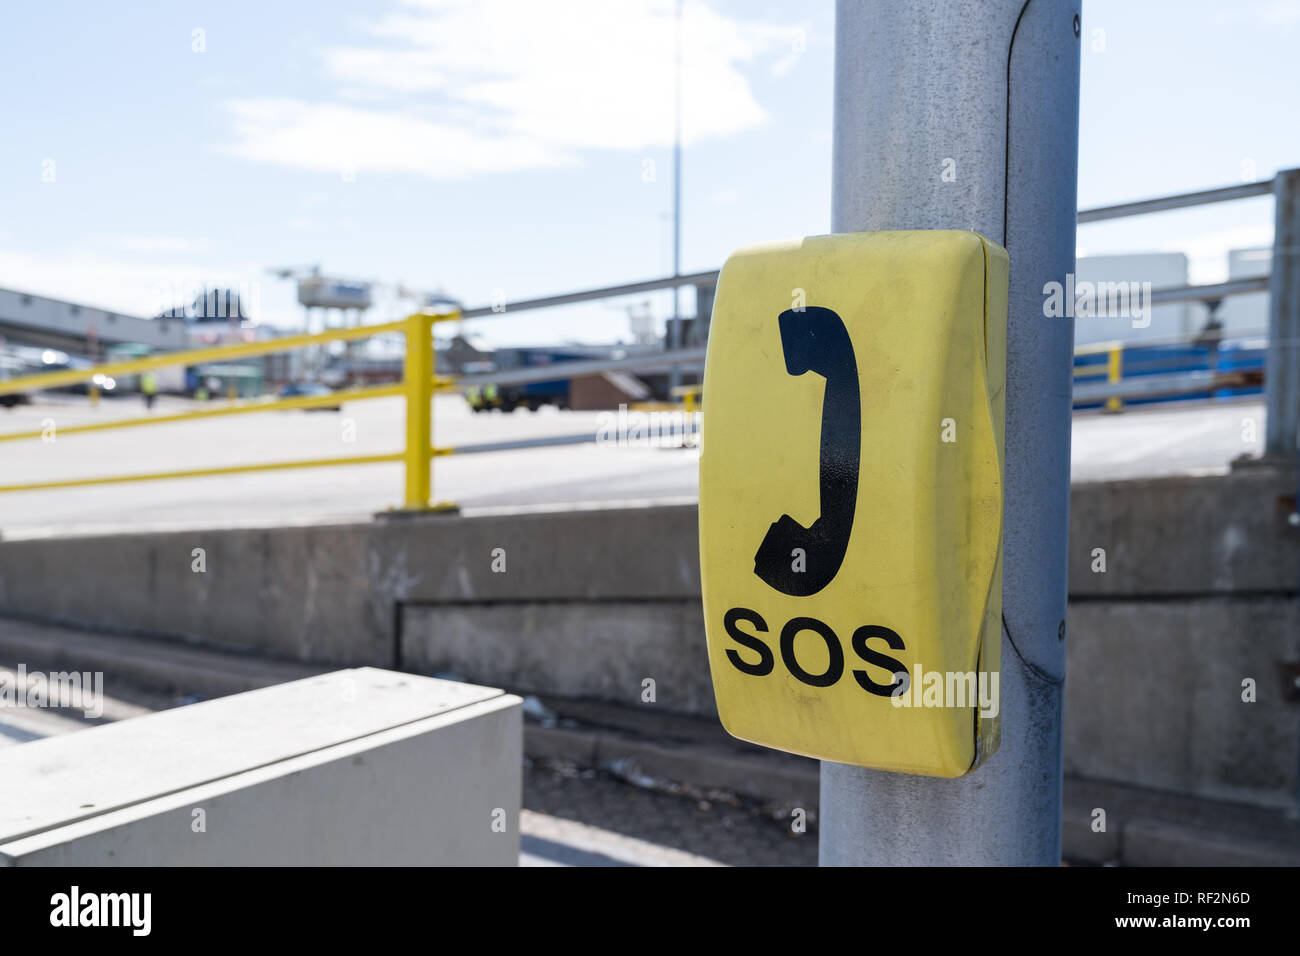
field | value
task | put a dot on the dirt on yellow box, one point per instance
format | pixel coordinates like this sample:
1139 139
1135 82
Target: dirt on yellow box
851 497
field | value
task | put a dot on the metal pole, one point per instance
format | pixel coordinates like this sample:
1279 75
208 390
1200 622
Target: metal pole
963 114
1282 366
417 374
675 332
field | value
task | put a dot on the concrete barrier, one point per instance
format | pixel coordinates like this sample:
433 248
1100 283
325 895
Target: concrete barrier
355 767
1154 696
1186 536
610 648
335 593
1198 591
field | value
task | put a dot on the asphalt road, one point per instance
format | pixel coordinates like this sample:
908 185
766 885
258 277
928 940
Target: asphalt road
555 472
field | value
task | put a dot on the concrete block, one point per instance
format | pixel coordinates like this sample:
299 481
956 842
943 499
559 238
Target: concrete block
1214 534
1153 696
329 593
356 767
1155 843
1199 592
597 555
602 649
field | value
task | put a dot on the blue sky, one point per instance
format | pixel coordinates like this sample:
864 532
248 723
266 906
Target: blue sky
525 146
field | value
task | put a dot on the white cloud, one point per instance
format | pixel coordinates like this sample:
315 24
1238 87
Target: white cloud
334 138
154 244
1273 13
483 86
407 71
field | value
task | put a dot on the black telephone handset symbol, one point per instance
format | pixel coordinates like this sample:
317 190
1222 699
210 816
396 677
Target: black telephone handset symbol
814 339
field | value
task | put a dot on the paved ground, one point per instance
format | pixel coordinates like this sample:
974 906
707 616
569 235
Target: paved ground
1187 439
646 827
1173 440
20 724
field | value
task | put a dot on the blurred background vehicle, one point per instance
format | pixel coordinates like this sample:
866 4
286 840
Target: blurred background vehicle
304 389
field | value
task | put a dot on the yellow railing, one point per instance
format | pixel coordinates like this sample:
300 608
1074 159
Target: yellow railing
690 396
684 398
1114 368
418 386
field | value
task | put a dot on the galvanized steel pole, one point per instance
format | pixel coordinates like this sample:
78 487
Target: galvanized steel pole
675 330
963 114
1282 370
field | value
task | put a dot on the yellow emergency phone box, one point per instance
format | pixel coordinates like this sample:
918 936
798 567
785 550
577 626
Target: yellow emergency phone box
851 497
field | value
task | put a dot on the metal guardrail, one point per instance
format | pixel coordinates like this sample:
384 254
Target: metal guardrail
216 353
418 386
1167 368
1183 383
607 292
419 381
1204 197
1189 293
1113 391
1207 293
694 358
237 408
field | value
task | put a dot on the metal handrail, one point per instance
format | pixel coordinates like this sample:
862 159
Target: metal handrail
608 292
239 408
1152 382
1187 293
419 381
1204 197
418 386
1139 207
215 353
1204 293
1186 338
